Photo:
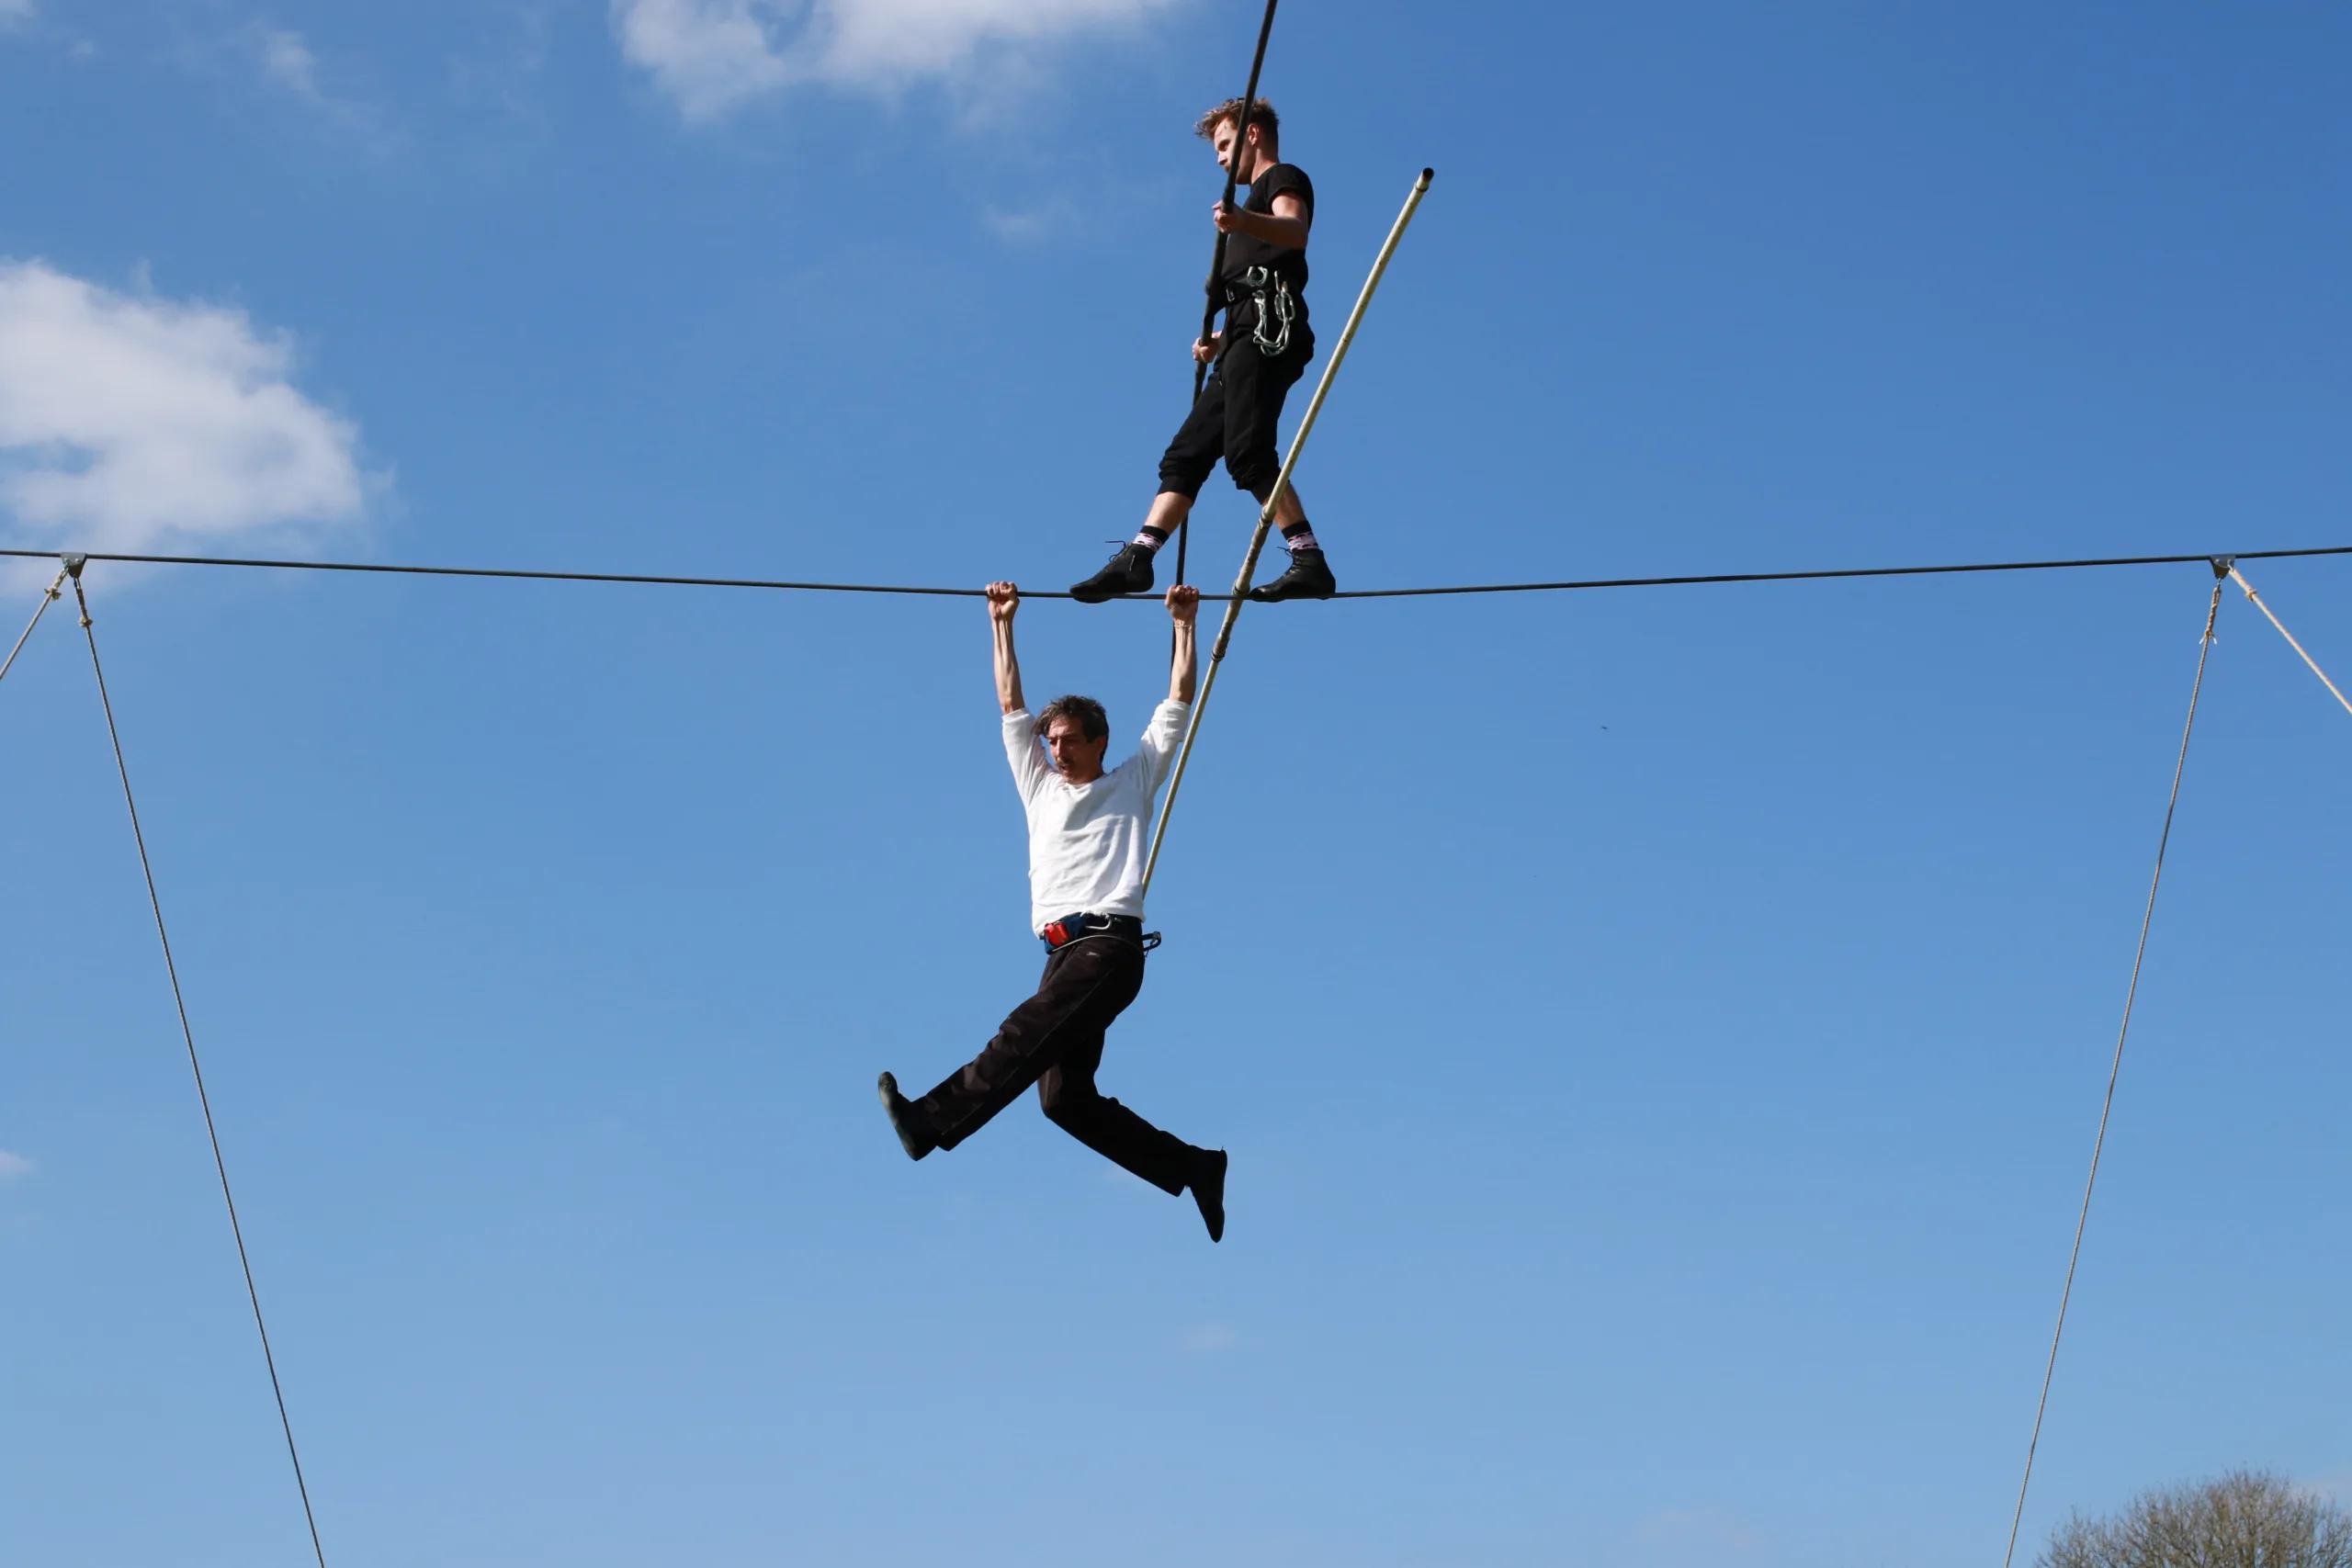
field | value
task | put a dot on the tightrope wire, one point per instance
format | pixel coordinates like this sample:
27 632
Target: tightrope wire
2222 567
1571 585
220 1166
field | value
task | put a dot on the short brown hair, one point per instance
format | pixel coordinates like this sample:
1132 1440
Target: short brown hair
1083 712
1261 114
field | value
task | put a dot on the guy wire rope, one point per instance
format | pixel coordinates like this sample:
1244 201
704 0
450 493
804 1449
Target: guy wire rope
49 597
73 565
1213 289
1273 499
2221 567
2239 578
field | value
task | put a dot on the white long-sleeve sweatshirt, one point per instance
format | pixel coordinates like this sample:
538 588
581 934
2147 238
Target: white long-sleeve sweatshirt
1087 842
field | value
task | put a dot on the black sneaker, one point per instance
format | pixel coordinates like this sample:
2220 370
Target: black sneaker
1208 1191
1129 572
1309 577
912 1138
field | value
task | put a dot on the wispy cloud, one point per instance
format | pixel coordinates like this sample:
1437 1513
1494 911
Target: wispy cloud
13 1167
128 421
1707 1530
14 13
1049 220
1209 1338
712 56
287 64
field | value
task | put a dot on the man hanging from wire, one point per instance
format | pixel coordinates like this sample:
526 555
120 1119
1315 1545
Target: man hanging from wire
1261 352
1088 832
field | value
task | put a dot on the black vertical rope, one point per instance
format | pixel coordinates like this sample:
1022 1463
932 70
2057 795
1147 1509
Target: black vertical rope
1217 260
2106 1108
74 566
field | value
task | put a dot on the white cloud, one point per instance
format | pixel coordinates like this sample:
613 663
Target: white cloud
13 1166
287 60
714 55
127 421
15 11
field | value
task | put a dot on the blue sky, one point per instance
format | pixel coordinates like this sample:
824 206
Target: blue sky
1658 1034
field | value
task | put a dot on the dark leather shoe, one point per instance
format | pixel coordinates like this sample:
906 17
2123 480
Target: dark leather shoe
1129 572
1208 1191
1309 577
912 1137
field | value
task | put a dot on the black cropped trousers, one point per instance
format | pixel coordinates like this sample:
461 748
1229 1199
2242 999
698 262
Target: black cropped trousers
1234 418
1055 1041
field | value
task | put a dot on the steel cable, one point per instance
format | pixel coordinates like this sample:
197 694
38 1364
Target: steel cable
2115 1070
1566 585
220 1165
49 597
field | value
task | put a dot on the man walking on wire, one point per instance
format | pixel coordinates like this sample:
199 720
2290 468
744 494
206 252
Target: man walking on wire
1088 832
1259 355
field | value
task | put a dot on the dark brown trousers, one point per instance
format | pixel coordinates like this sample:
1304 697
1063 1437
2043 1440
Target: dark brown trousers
1055 1041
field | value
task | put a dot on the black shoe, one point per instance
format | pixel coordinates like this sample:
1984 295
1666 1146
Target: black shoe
1208 1191
1309 577
912 1138
1129 572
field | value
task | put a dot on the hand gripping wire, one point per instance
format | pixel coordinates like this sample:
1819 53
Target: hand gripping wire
1273 499
2222 567
2239 578
73 565
49 597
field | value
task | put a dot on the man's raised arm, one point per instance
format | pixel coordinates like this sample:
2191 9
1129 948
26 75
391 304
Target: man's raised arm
1004 602
1183 663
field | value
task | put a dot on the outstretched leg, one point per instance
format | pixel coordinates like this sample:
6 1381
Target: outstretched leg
1086 984
1072 1103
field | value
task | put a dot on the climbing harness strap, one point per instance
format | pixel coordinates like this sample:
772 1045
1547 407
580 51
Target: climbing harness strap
73 565
1273 499
2239 578
2221 567
1071 929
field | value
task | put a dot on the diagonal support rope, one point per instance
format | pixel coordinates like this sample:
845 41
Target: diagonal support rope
2239 578
74 568
2204 650
49 597
1273 499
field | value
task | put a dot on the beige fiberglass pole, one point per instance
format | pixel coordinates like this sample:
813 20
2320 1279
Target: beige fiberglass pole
1266 512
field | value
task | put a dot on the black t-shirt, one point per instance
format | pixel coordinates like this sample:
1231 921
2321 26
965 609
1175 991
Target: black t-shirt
1243 251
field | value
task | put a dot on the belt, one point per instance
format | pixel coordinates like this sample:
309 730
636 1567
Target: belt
1060 933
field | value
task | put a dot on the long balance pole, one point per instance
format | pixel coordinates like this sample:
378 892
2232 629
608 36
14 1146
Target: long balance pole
1215 294
1266 512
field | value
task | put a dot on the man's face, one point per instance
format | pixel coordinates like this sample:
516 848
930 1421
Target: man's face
1224 144
1076 758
